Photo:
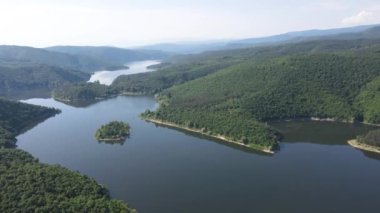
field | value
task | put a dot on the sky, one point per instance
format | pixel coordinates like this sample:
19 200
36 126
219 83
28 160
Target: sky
123 23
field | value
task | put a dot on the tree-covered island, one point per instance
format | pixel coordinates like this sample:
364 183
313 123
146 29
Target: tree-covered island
115 131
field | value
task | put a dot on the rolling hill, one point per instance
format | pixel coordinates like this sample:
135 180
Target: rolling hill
29 56
16 81
327 78
113 55
290 37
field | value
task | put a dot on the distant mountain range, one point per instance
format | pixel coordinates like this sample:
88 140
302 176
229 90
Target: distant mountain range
86 59
111 55
198 47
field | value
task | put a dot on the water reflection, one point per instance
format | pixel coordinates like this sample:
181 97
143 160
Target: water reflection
80 103
318 132
372 155
115 142
216 140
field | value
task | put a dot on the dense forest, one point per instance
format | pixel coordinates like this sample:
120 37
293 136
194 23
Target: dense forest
35 187
113 131
16 117
317 85
31 186
112 55
83 91
86 59
28 56
15 80
336 79
180 69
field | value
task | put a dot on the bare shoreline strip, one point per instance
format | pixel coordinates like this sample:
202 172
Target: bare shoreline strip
220 137
355 143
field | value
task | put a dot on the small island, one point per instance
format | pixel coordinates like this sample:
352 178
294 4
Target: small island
369 142
113 132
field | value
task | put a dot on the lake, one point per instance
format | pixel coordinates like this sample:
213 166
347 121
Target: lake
159 169
107 77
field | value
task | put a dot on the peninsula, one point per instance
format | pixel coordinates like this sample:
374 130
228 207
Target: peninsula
369 142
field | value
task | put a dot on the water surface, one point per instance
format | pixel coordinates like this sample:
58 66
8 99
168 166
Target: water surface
107 77
160 169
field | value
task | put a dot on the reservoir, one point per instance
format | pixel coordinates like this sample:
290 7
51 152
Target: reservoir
107 77
160 169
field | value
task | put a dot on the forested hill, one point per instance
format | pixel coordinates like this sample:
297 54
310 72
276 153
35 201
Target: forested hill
12 56
307 35
87 59
19 80
16 117
318 85
336 79
290 37
181 69
111 54
232 101
29 186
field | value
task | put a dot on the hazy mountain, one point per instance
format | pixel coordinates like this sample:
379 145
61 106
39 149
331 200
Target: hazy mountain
298 35
21 55
36 80
187 47
110 54
198 47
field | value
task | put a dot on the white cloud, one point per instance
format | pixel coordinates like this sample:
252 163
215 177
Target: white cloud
363 17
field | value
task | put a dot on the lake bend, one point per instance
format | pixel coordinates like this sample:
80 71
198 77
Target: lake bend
107 77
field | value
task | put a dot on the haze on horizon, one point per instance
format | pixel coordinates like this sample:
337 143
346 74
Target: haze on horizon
42 23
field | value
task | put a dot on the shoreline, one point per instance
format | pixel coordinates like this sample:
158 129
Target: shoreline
220 137
327 120
362 146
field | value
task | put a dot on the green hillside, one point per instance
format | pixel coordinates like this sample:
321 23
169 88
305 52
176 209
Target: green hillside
180 69
83 91
336 79
368 102
30 186
16 80
11 56
16 117
111 54
321 85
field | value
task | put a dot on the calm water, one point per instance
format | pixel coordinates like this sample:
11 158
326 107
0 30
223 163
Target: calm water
164 170
107 77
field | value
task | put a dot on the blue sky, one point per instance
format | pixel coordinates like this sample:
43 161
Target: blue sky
127 22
